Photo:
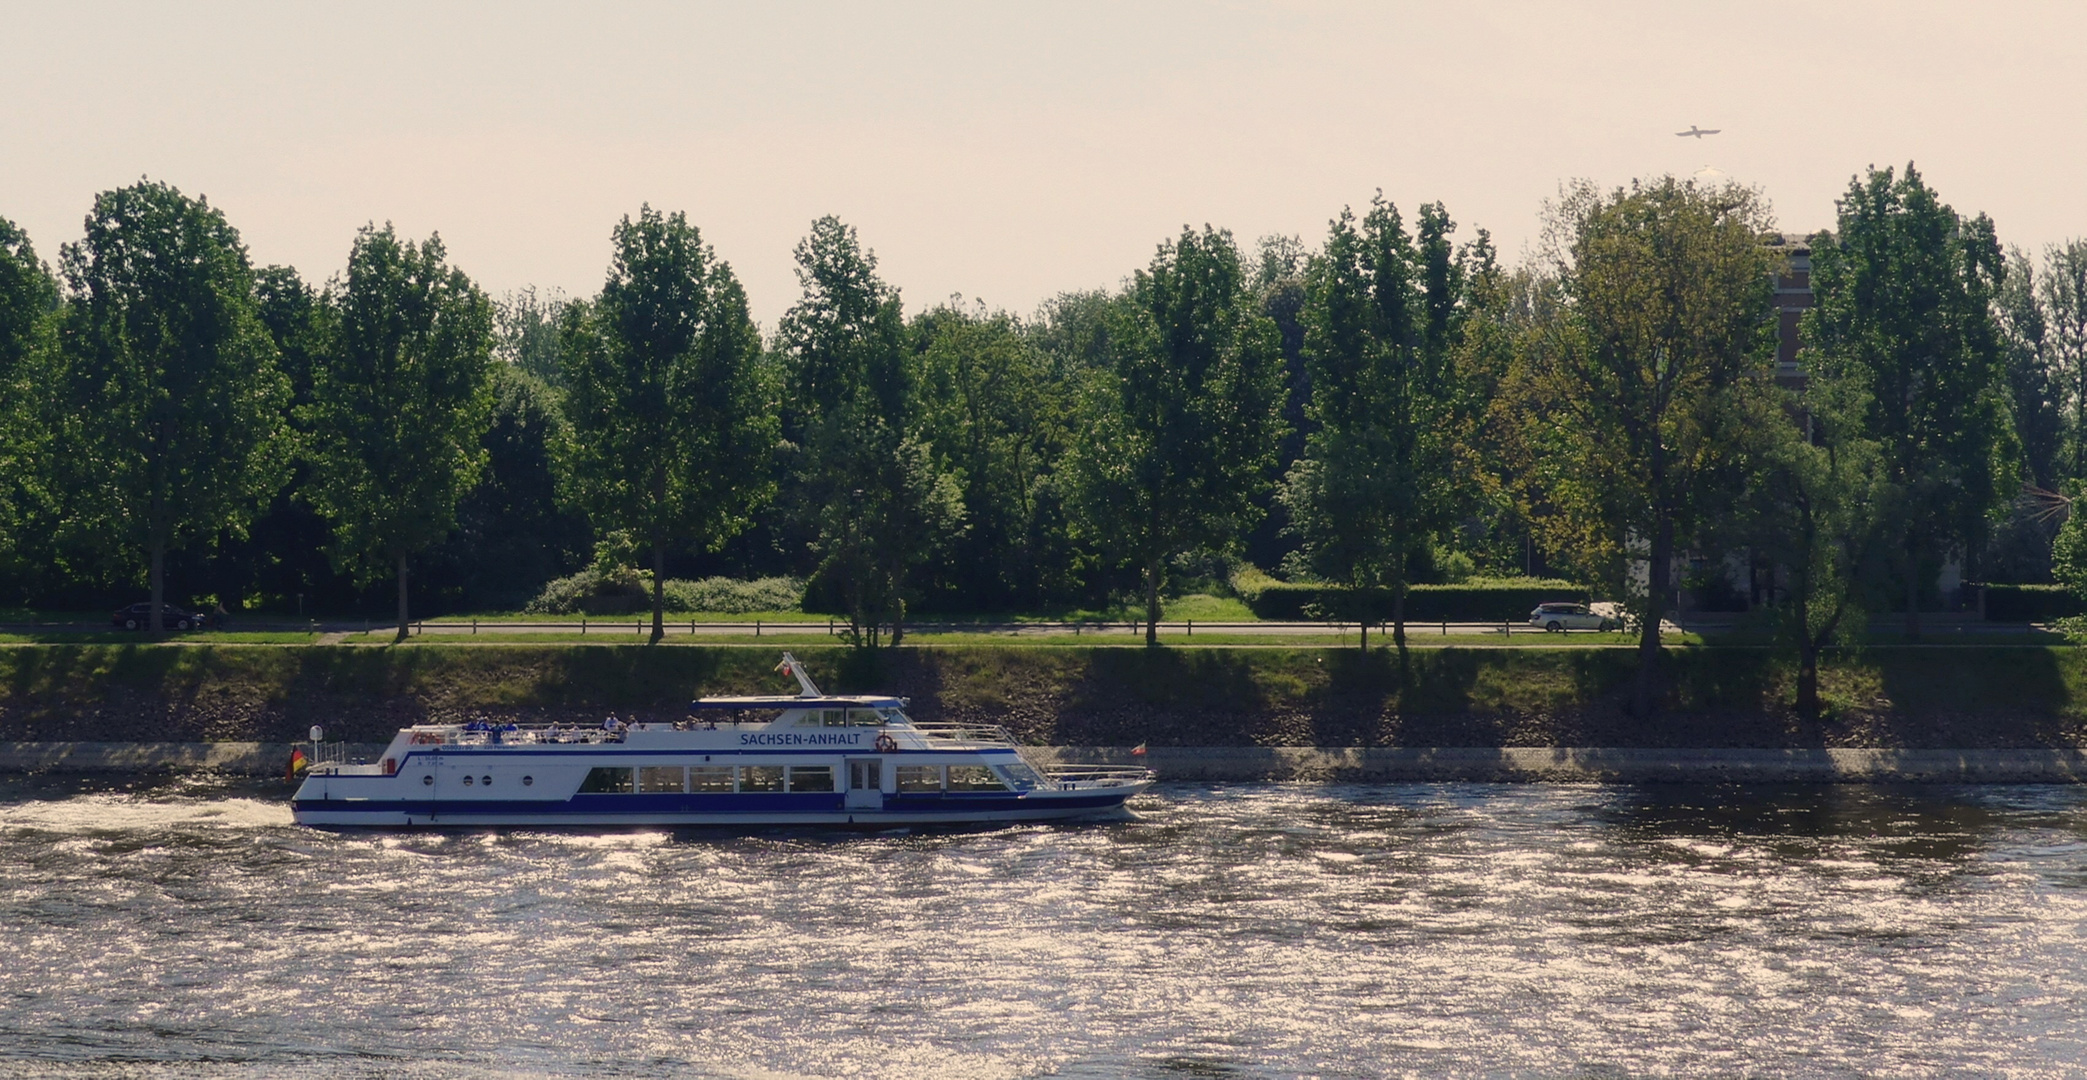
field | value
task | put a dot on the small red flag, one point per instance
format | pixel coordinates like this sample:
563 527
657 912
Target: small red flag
1139 750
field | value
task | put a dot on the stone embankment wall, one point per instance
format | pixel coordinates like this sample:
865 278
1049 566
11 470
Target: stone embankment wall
1259 699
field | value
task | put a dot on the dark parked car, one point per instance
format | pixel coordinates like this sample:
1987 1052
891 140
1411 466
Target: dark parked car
139 616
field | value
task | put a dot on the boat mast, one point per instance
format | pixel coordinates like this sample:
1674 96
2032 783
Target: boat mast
793 666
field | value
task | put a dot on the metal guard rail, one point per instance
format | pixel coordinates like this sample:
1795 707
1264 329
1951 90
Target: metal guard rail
954 735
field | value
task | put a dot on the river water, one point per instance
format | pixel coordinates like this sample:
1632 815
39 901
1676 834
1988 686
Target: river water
189 929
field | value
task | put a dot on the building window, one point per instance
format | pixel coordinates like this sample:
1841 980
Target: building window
656 779
811 778
710 778
761 778
920 777
606 780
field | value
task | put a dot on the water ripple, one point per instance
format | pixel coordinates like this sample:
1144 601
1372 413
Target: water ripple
1233 930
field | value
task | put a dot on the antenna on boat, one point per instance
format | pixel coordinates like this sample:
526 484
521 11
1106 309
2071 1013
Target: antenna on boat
793 666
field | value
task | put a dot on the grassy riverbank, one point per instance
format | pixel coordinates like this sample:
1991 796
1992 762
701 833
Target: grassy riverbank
1719 697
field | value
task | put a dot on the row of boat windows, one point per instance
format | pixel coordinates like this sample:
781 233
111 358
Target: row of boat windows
721 779
850 717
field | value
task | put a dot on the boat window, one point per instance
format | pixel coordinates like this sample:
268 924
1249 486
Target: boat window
1019 776
654 779
834 717
920 777
811 778
890 716
973 778
710 778
866 717
761 778
606 780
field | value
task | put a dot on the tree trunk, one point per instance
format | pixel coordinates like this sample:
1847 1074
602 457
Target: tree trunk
401 635
1808 678
898 621
1657 572
1152 601
1912 593
156 619
1807 655
1398 620
659 590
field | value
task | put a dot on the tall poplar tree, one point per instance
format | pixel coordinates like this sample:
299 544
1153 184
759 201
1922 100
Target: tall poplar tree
1186 420
1634 401
869 483
1376 480
400 402
2060 316
1904 312
28 303
672 429
173 403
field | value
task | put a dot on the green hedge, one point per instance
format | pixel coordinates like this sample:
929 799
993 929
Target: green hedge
2031 603
1491 602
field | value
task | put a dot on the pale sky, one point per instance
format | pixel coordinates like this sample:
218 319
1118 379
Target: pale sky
1007 151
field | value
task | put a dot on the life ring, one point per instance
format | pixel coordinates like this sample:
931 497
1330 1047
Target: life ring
886 744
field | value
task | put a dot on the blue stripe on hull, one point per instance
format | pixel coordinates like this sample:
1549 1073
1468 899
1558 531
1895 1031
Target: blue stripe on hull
672 809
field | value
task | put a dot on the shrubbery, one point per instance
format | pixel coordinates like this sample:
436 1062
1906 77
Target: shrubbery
731 596
624 591
1477 600
2032 603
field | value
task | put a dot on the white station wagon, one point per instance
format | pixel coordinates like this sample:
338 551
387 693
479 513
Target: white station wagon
1558 618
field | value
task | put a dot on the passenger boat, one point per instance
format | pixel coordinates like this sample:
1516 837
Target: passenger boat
805 759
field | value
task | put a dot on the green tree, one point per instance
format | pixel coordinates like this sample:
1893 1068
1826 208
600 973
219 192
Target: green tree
1185 423
28 302
526 332
868 482
2056 321
1376 481
2033 370
1820 500
1904 312
996 410
1633 401
672 428
173 400
400 403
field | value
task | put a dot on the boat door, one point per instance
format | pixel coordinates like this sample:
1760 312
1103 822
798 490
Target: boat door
865 784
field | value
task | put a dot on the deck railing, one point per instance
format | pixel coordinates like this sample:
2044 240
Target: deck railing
953 735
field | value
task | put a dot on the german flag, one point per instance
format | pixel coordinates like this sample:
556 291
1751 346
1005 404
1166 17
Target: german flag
297 765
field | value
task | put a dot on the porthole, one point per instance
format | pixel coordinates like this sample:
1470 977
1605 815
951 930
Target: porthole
427 779
467 781
486 780
528 780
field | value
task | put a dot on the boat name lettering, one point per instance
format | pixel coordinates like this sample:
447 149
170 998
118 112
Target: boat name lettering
799 738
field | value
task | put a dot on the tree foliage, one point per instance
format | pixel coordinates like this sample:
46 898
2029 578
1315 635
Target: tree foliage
671 428
28 303
1185 421
871 487
400 403
171 401
1377 481
1904 312
1634 401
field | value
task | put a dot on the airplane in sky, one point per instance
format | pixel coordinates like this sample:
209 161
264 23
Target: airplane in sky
1697 132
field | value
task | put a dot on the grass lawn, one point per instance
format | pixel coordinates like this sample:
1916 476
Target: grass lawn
127 637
